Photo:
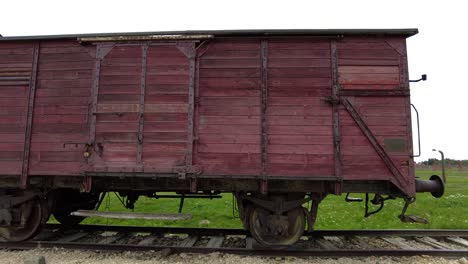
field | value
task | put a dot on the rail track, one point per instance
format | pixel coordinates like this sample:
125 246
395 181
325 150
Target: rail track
331 243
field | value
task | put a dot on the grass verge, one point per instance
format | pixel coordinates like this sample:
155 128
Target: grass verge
448 212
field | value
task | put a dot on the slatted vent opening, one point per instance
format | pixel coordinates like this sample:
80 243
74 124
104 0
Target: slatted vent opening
15 76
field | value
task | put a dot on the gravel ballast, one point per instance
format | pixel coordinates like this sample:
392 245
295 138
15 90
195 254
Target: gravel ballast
62 256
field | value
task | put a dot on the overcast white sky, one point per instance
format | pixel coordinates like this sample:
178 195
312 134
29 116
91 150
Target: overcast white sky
439 50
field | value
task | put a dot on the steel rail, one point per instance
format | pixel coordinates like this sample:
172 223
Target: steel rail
228 231
58 232
239 251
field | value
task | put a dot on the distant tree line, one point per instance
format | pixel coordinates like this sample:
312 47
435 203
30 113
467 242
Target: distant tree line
449 162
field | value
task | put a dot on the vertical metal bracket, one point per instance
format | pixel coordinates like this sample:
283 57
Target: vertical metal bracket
101 51
188 48
336 114
141 109
29 118
264 117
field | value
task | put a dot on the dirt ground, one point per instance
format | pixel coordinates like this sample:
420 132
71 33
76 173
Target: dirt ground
61 256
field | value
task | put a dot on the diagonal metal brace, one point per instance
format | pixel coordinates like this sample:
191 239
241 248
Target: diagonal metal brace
375 143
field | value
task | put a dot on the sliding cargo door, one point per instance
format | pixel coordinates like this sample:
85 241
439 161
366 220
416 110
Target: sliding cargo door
141 108
16 66
300 130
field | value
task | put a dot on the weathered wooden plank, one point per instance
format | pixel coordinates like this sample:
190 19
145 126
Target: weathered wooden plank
230 73
367 54
120 80
231 54
12 128
55 168
11 167
58 156
316 72
300 139
223 45
81 55
305 110
56 137
230 120
373 79
65 65
166 89
369 69
299 53
228 139
70 119
298 82
167 159
300 159
57 100
166 108
298 44
230 101
165 136
165 117
366 172
168 79
229 129
223 83
59 84
118 98
368 62
216 92
166 98
64 92
166 127
167 70
230 64
117 127
11 155
12 110
229 148
175 147
298 63
294 170
11 137
326 149
59 128
47 109
230 111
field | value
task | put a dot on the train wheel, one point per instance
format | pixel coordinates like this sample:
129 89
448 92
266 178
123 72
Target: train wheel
68 201
276 230
31 221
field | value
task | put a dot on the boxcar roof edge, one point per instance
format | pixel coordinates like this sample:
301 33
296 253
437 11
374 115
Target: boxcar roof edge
228 33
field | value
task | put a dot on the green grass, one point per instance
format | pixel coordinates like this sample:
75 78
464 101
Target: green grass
448 212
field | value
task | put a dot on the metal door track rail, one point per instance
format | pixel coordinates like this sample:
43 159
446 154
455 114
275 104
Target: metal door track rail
125 215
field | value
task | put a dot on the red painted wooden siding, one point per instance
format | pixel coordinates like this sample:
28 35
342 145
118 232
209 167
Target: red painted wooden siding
60 124
15 61
228 126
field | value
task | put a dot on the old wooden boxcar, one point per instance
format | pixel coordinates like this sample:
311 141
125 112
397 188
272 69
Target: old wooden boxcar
277 117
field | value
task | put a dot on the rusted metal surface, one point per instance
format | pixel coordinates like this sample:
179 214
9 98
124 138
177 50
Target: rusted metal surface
101 52
336 114
143 37
29 117
133 215
141 109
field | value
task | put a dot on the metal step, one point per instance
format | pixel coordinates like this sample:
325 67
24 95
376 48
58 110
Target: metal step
127 215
